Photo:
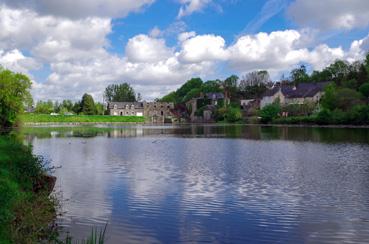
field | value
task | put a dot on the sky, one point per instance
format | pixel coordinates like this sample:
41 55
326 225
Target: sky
72 47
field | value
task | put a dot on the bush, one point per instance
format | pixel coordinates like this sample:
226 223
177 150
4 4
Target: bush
270 112
364 89
233 114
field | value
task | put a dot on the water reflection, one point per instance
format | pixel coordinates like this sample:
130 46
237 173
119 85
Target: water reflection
200 184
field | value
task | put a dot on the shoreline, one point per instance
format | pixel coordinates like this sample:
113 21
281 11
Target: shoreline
72 124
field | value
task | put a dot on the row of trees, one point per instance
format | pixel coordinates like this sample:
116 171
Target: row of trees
345 100
87 106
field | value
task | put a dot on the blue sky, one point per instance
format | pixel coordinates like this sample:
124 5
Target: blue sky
77 46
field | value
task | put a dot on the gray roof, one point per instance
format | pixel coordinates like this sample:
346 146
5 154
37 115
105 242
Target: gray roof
122 105
302 90
215 95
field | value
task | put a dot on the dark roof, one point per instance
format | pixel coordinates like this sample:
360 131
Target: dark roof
215 95
302 90
122 105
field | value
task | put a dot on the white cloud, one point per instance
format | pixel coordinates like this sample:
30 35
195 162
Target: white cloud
80 8
16 61
144 49
76 53
190 6
202 48
331 14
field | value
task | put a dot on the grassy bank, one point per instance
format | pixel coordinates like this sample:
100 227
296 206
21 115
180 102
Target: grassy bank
45 118
26 210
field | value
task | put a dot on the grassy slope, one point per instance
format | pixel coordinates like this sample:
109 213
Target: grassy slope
24 215
45 118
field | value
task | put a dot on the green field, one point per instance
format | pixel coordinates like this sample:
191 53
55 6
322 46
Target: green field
45 118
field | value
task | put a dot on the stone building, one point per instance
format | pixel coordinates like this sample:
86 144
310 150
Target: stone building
300 94
157 112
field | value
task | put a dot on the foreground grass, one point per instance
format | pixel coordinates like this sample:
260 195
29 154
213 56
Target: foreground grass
45 118
25 216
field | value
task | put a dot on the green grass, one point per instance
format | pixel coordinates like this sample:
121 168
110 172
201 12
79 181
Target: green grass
24 215
45 118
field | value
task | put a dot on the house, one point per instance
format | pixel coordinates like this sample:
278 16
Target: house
126 108
207 102
156 111
299 94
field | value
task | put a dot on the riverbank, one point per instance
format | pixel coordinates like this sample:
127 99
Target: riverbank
26 210
34 119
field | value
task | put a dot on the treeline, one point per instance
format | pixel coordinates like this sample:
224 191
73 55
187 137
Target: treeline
86 106
345 100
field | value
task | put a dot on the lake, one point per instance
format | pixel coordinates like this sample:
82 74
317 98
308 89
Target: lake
210 183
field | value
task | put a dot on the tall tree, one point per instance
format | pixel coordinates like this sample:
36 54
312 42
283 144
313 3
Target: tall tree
88 105
120 93
14 96
299 75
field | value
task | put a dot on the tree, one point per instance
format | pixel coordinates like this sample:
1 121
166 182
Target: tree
44 107
14 96
299 75
255 78
340 98
270 112
88 105
77 107
99 107
188 86
364 89
230 86
120 93
170 98
254 84
233 114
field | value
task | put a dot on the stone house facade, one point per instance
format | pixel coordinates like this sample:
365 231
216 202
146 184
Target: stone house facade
300 94
155 111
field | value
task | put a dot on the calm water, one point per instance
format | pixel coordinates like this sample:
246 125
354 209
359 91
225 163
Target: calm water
218 184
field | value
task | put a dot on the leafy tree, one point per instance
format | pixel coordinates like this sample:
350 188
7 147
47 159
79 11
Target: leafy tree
44 107
340 98
233 114
77 107
188 86
170 98
270 112
230 86
119 93
68 105
99 108
195 92
14 96
211 86
364 89
88 105
299 75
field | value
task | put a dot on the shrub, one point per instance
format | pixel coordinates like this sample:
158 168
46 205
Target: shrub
233 114
364 89
270 112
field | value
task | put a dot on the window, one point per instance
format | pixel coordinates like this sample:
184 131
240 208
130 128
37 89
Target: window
121 113
115 106
162 113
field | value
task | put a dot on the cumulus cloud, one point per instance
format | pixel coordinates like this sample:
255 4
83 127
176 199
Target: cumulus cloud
202 48
330 14
190 6
80 63
16 61
80 8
